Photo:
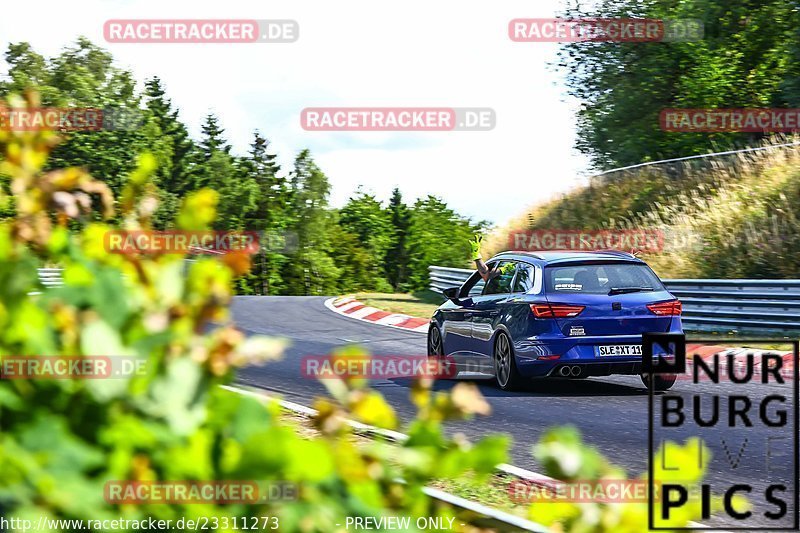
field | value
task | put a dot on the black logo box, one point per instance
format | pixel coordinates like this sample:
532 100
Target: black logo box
678 366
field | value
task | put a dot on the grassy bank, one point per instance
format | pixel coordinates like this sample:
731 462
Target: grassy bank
731 217
420 303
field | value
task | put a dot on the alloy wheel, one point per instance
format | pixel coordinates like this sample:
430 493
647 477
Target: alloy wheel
502 360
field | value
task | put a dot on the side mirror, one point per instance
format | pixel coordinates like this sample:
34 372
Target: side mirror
452 293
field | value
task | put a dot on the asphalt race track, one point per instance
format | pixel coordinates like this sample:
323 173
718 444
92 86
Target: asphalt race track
612 412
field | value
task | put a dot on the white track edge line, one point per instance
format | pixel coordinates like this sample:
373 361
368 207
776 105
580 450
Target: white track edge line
396 436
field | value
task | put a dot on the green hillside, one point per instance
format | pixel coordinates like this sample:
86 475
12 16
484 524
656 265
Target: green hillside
726 217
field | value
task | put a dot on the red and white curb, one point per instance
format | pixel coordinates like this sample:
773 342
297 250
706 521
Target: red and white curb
706 352
352 308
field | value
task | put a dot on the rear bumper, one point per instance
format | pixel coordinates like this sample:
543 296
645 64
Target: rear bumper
577 352
601 368
593 367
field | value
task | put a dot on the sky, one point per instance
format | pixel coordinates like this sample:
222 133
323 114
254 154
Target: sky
442 53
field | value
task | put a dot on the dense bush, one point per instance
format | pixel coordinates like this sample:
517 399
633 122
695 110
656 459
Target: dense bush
62 440
731 217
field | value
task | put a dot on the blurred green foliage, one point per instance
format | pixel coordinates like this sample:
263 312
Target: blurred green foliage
566 457
63 439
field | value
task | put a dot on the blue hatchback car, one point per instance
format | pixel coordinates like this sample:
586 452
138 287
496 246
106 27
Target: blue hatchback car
554 315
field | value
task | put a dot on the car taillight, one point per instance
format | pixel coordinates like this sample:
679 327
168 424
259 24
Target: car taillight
556 310
670 308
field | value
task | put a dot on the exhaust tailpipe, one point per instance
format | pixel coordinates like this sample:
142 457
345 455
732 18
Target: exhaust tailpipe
575 371
564 371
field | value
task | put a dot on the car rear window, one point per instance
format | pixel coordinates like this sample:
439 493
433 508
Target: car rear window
600 278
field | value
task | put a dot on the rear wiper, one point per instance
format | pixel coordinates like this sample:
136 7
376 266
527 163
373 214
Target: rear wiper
625 290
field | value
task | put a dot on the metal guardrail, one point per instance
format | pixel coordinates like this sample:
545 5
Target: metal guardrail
680 167
699 156
445 277
719 305
50 277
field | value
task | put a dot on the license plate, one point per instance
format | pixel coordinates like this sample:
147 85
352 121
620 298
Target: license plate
619 350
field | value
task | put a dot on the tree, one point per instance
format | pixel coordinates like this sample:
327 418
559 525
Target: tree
213 139
82 76
310 270
356 265
238 192
66 440
262 168
396 259
745 59
269 216
176 174
306 246
437 236
364 217
28 70
215 165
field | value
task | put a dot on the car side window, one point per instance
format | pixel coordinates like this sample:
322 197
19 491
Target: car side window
500 278
524 280
473 286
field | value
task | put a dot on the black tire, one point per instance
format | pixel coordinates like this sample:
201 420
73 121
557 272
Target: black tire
435 346
505 366
445 369
661 382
